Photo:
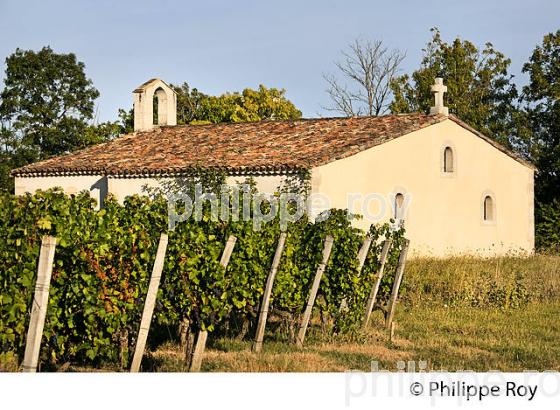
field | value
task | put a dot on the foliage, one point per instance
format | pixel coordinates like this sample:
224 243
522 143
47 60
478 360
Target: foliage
189 104
264 104
45 108
103 263
126 121
510 339
48 98
542 96
480 90
8 160
297 183
249 105
346 289
547 228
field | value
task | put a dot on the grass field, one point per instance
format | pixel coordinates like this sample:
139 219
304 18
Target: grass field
462 313
456 338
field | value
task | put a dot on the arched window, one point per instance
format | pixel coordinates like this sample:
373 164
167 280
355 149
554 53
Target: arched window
399 200
160 107
488 209
448 165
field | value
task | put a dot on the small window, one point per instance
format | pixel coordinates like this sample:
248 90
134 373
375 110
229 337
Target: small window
488 208
448 165
399 200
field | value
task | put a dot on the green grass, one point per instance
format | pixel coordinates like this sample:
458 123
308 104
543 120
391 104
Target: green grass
452 338
461 313
484 339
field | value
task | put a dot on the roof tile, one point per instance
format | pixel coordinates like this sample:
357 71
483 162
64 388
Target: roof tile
265 146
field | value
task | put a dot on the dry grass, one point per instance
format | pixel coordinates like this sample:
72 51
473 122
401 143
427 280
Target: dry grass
8 362
460 313
232 356
469 281
270 362
453 338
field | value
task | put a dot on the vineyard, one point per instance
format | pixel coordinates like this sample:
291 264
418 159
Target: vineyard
104 260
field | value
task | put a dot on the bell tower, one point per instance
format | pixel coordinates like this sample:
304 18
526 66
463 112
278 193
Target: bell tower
144 105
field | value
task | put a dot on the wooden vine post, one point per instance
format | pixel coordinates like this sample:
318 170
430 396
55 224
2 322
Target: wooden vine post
40 304
202 336
149 304
263 314
370 303
186 340
198 352
397 284
314 288
362 256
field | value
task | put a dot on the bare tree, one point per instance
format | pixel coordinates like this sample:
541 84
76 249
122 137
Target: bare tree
369 67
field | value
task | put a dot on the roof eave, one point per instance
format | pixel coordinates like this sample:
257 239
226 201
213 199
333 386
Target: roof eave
161 173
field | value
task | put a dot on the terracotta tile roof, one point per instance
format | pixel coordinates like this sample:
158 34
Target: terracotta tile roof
256 147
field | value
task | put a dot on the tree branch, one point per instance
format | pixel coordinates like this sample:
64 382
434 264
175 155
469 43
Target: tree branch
369 68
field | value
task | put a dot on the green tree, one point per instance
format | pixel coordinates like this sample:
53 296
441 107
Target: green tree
542 96
189 104
547 226
46 107
126 121
480 90
6 161
48 100
249 105
195 107
12 155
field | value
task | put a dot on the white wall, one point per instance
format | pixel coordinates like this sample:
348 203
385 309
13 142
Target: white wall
99 186
445 213
96 185
123 187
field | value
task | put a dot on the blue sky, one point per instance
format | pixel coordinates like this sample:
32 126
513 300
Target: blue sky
221 45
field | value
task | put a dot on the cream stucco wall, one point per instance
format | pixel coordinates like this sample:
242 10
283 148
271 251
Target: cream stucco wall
265 184
123 187
444 215
99 186
96 185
